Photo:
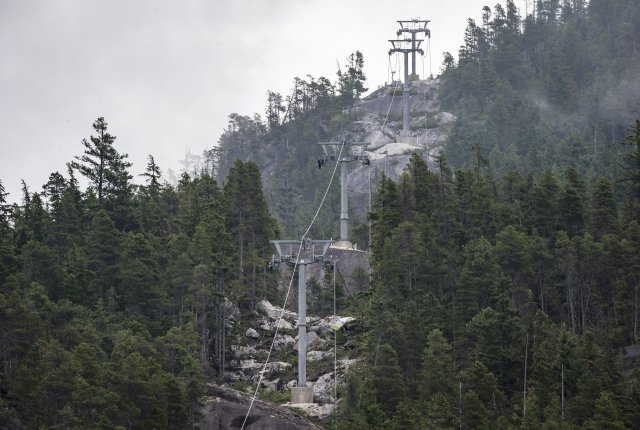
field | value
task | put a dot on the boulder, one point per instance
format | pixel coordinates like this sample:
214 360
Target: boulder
248 364
252 333
282 325
445 118
323 389
231 310
275 385
396 148
318 355
346 363
256 366
274 312
277 367
313 341
264 325
284 341
240 351
326 326
431 138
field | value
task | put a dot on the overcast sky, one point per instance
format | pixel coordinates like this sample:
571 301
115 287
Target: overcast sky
166 74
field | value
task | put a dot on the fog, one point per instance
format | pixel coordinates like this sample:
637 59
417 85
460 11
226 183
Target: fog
165 75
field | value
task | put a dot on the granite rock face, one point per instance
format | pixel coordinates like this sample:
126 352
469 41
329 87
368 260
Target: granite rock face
226 409
376 119
381 124
246 364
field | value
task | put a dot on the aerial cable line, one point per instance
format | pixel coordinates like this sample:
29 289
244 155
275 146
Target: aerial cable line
261 373
422 56
424 97
429 50
393 94
286 299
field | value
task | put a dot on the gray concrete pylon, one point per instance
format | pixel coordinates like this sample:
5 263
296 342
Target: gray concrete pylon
302 325
344 203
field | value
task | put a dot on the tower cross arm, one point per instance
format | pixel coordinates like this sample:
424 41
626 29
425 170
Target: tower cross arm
305 245
415 22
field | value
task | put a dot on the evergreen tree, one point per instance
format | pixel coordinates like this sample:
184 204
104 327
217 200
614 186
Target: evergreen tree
603 211
107 173
607 414
388 381
572 203
7 250
249 221
101 164
351 82
102 248
436 382
543 202
152 175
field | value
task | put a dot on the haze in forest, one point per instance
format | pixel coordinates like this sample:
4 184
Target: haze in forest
167 74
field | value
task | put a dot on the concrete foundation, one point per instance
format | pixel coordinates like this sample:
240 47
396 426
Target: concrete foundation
301 395
412 140
344 244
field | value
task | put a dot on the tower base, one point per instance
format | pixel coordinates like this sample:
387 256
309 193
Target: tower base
412 140
301 395
344 244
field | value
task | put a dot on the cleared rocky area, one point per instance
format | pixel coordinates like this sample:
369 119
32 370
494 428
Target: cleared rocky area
249 353
225 408
389 152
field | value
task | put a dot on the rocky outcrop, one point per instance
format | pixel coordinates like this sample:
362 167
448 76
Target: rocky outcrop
249 354
225 408
275 312
252 333
388 152
423 98
318 410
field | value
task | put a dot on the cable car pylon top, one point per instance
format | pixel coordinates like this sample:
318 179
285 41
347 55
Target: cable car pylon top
335 151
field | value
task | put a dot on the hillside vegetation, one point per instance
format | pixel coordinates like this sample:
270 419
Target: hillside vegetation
505 284
557 89
116 301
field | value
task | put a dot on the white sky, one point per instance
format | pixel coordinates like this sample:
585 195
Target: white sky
166 74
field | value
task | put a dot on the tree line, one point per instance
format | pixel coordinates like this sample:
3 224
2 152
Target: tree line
283 144
553 88
116 301
501 302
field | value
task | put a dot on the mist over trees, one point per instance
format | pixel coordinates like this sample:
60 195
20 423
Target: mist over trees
504 287
555 88
499 302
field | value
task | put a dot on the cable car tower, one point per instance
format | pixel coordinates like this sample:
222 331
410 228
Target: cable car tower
414 27
332 153
408 46
301 253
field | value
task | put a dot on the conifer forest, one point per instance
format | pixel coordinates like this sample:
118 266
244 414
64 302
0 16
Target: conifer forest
504 290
